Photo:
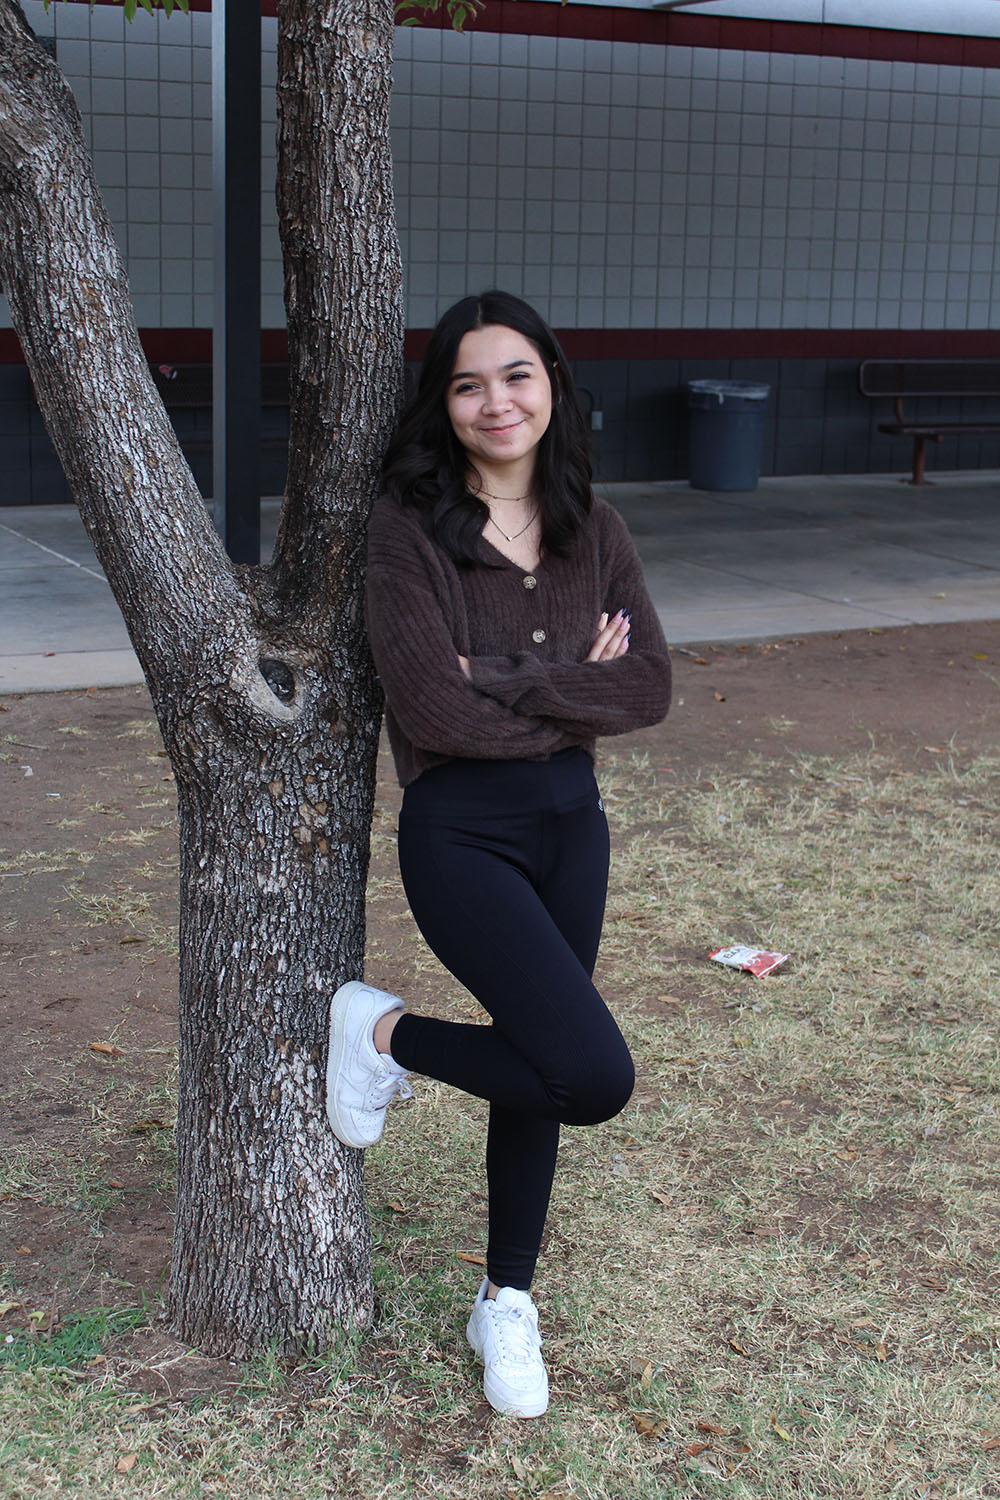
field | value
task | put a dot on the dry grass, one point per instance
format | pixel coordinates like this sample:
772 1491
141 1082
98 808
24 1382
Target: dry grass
776 1275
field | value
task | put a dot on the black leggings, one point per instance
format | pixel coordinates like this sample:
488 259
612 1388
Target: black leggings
505 867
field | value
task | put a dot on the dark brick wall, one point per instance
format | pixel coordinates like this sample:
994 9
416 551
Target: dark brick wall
31 474
815 422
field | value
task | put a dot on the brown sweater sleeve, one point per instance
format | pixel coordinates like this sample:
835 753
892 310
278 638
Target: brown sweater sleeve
594 698
412 628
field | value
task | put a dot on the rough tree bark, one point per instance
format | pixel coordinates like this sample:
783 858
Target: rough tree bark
260 677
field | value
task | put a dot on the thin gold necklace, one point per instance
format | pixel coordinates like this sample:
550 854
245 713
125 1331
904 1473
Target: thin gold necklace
512 499
523 529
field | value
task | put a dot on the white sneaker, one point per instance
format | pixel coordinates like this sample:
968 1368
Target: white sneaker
504 1333
361 1083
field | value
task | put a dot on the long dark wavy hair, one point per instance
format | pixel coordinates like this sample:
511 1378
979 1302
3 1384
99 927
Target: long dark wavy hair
427 467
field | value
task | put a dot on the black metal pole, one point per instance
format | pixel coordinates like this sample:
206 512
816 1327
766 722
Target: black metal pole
236 313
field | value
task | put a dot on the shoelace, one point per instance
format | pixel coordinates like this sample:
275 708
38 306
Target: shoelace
516 1334
385 1086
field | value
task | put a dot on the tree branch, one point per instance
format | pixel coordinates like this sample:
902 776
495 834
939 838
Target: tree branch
69 299
343 282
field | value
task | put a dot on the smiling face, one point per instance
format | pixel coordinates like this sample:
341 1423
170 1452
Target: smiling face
499 400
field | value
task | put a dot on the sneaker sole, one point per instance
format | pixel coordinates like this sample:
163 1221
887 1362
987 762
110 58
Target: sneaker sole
507 1408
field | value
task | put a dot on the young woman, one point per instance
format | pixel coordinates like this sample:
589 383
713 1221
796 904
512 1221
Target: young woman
510 626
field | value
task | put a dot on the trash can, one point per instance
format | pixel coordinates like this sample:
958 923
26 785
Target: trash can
727 425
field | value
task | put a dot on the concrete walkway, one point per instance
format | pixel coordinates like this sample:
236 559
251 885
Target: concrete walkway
796 555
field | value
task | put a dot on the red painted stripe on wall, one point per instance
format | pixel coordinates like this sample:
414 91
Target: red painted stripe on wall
194 345
776 343
605 23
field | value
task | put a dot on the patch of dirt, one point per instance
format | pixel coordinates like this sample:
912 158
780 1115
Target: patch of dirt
88 915
902 690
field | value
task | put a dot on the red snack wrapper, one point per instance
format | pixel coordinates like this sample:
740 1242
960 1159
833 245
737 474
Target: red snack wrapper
756 961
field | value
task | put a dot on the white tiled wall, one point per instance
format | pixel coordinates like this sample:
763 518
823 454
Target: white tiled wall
614 185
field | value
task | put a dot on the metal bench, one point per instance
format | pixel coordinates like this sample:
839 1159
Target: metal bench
913 379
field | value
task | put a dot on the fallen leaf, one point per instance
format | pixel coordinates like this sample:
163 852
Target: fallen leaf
6 1307
146 1127
846 1155
106 1049
661 1198
114 1183
647 1426
881 1353
735 1344
519 1467
127 1463
22 1250
786 1437
693 1449
719 697
397 1208
668 1000
990 1444
709 1427
935 749
933 1282
980 656
646 1378
473 1260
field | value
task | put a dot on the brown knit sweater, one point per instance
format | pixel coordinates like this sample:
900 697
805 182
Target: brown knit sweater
526 635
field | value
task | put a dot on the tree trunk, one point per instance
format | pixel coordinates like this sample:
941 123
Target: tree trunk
260 678
271 1242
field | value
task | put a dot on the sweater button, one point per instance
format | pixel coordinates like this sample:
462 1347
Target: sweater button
538 636
530 581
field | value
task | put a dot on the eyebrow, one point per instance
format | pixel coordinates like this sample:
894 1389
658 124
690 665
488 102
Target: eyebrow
474 374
